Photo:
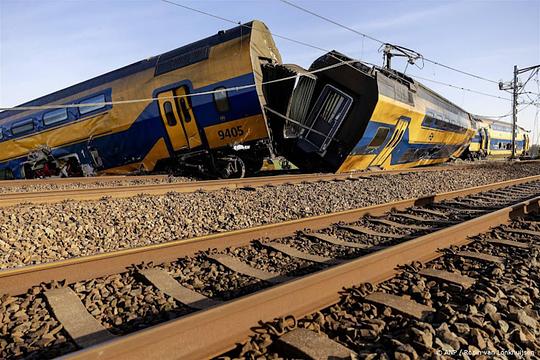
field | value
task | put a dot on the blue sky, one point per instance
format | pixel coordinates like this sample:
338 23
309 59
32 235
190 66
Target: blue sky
50 44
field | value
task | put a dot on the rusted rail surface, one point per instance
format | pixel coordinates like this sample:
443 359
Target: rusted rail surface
82 180
221 324
18 280
123 191
217 330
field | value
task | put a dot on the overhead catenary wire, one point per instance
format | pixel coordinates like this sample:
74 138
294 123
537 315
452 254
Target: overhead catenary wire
59 106
237 88
210 92
460 87
380 41
326 50
251 28
242 25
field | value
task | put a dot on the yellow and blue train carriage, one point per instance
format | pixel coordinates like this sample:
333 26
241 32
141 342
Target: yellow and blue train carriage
103 131
493 139
360 117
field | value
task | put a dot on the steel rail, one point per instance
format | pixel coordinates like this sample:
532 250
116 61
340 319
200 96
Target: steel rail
123 191
18 280
212 332
84 180
108 178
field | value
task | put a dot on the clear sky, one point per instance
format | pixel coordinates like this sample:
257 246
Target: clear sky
46 45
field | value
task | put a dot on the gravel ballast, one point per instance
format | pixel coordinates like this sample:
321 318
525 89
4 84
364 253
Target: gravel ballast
99 183
31 234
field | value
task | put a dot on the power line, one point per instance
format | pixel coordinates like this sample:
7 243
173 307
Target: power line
382 42
251 28
461 88
243 25
211 92
320 48
332 21
238 88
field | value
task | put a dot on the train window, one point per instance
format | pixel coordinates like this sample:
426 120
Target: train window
1 134
169 113
55 116
379 138
221 100
99 100
22 128
185 109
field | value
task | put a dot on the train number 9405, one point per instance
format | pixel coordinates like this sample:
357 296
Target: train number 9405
231 132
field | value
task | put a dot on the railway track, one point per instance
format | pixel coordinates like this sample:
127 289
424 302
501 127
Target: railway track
286 270
83 180
476 300
123 191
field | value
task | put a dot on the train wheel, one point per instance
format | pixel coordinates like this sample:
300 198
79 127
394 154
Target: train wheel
253 165
231 167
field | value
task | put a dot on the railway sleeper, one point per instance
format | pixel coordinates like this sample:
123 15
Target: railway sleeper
470 319
170 286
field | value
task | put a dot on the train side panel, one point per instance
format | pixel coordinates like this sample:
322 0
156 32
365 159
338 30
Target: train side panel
133 136
411 128
359 117
494 140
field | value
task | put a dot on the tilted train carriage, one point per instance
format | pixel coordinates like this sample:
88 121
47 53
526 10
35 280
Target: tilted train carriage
351 116
493 139
224 103
196 131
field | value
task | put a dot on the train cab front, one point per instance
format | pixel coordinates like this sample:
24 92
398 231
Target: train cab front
318 115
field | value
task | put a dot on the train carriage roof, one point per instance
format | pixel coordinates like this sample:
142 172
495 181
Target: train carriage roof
490 121
220 37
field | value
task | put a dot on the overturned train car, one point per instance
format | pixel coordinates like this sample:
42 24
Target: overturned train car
179 129
342 116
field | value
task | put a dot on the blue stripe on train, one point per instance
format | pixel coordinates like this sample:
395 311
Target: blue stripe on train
369 133
242 103
133 144
404 152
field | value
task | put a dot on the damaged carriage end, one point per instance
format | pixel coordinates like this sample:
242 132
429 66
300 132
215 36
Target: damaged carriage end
344 116
319 114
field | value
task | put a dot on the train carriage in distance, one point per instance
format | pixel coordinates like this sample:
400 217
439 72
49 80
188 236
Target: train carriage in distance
201 131
351 117
493 139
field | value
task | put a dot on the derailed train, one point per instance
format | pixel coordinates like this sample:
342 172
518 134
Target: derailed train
224 103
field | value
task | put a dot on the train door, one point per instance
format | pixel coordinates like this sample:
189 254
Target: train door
487 146
328 113
397 135
183 104
178 119
485 139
